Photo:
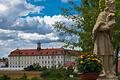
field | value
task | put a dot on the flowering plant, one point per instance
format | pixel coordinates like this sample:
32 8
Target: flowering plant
89 63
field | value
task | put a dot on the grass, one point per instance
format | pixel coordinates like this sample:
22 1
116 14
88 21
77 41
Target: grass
18 74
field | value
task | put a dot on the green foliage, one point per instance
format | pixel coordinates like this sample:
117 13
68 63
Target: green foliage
101 5
85 21
69 71
34 67
82 28
24 77
118 75
68 78
58 74
116 31
36 78
53 72
5 77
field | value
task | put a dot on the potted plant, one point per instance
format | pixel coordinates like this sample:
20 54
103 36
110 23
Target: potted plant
89 66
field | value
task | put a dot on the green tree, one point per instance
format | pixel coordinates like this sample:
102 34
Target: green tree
85 21
116 31
33 67
82 28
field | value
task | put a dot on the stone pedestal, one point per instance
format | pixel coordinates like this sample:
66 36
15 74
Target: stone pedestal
107 78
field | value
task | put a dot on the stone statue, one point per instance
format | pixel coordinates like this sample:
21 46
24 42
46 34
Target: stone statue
102 37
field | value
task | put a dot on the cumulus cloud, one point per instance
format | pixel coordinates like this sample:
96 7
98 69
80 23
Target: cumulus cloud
6 42
51 20
37 24
33 8
3 8
12 9
7 34
16 31
35 36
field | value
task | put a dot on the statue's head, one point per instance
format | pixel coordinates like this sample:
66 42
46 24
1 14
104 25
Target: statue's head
110 6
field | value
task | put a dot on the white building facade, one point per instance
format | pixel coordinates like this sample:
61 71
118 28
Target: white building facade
2 64
45 57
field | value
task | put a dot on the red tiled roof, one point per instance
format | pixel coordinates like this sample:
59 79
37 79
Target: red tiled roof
69 64
34 52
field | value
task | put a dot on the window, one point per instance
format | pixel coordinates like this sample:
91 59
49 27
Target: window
48 62
42 57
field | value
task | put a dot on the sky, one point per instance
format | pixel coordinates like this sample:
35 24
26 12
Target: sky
23 23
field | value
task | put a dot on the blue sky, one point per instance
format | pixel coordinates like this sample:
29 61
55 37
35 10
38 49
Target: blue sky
25 22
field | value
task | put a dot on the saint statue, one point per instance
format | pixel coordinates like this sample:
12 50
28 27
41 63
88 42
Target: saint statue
102 37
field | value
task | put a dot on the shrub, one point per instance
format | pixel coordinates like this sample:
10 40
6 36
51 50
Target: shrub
5 77
24 77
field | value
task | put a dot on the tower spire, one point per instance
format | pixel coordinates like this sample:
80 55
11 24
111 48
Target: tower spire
38 46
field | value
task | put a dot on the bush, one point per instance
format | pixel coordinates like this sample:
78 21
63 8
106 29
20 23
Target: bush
5 77
36 78
34 67
118 75
24 77
57 74
45 73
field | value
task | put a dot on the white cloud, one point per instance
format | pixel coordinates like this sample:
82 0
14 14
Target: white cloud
51 20
6 42
33 8
45 22
3 8
6 31
35 36
8 6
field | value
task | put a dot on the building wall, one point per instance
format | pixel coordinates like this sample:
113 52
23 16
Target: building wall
2 64
43 60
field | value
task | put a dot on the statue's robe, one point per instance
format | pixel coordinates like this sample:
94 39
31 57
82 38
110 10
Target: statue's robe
102 39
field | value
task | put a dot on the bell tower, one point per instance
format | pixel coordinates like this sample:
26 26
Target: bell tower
38 46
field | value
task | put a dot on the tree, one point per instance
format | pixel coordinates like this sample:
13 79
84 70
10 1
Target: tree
33 67
85 21
82 28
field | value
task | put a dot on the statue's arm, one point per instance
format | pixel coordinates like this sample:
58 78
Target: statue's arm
104 28
111 24
97 26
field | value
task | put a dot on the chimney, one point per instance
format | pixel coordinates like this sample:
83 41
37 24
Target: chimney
38 46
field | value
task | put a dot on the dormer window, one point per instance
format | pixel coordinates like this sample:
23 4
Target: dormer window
20 52
26 53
